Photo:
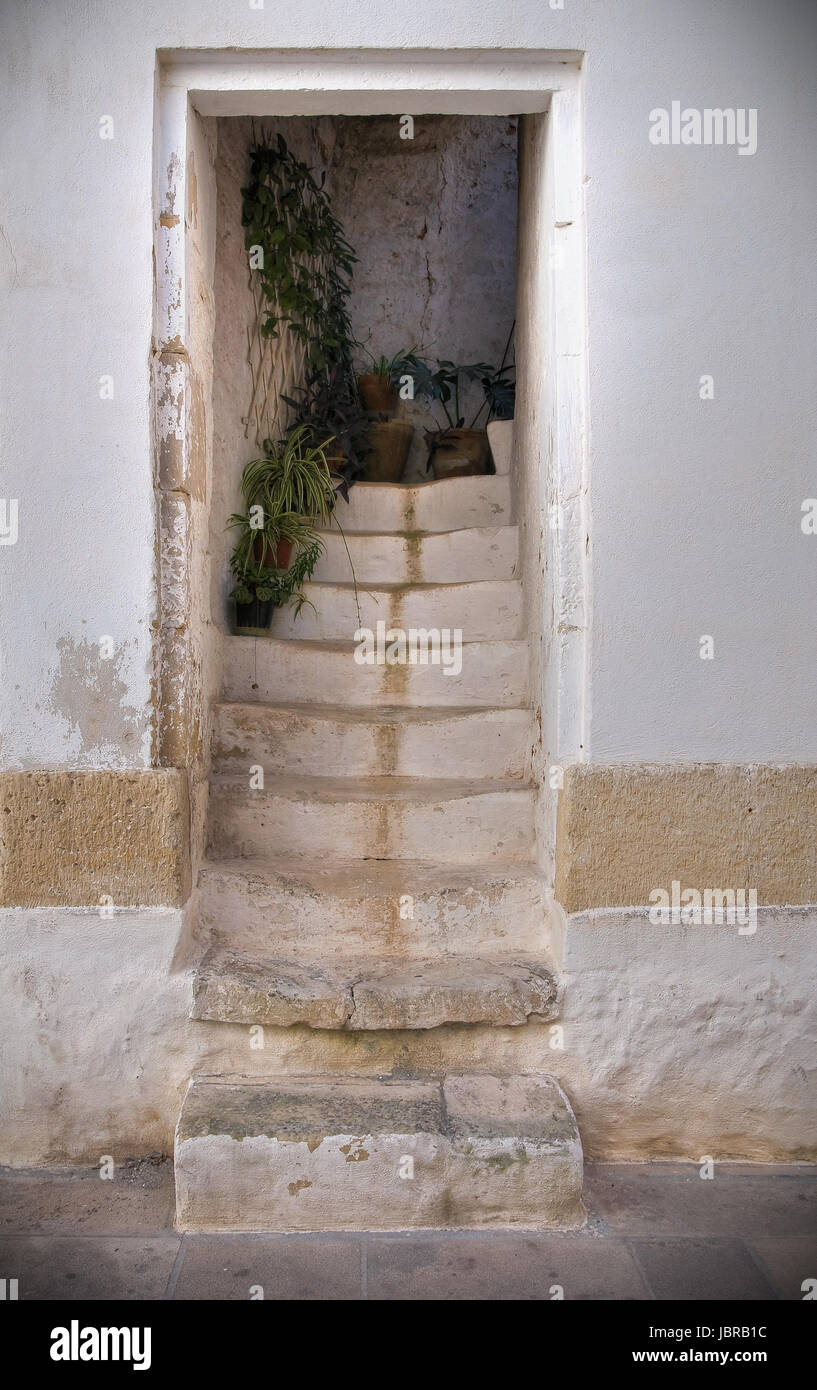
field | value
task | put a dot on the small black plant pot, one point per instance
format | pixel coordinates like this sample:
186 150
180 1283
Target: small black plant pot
249 617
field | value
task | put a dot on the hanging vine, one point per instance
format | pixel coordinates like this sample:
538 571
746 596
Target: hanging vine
303 273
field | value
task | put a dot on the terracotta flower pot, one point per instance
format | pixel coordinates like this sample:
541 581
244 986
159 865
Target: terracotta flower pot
458 453
278 559
390 442
378 396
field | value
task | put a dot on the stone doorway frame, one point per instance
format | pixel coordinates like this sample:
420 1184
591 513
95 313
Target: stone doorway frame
546 89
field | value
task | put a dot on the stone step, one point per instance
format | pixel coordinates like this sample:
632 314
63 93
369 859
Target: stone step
310 740
449 557
233 986
372 818
394 908
352 1153
483 612
494 674
448 505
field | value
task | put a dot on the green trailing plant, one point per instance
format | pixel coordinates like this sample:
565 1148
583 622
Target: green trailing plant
305 277
307 261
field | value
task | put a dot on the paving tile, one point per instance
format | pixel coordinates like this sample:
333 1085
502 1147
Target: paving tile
139 1199
95 1267
704 1269
789 1263
500 1266
286 1267
640 1202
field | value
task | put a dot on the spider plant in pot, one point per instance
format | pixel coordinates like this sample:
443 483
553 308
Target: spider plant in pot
287 494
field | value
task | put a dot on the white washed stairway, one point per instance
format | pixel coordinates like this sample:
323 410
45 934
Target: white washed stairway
384 877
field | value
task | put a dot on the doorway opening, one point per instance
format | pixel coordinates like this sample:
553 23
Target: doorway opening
482 229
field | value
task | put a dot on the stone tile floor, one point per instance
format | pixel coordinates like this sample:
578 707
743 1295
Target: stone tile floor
655 1231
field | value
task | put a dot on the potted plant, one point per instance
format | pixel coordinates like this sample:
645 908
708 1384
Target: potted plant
328 411
287 494
389 439
378 387
454 449
259 589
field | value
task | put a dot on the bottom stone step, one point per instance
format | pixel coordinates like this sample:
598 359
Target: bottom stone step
350 1153
237 987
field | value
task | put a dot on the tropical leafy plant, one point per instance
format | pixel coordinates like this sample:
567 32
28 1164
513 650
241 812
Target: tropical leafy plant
499 388
444 384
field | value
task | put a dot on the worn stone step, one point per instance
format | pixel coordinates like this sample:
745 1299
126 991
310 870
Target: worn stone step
482 612
447 505
449 557
493 674
395 907
312 740
372 818
233 986
352 1153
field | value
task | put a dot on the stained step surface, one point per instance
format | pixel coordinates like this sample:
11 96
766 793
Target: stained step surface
446 557
276 670
323 740
488 611
372 818
377 907
237 987
447 505
345 1153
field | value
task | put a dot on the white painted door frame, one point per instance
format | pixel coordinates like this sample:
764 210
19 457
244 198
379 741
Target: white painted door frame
554 388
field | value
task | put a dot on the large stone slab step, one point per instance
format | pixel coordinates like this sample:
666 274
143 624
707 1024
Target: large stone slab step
322 740
447 557
445 505
397 907
352 1153
360 996
278 670
372 818
481 612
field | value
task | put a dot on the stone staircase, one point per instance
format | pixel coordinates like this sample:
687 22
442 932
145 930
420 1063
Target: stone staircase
382 878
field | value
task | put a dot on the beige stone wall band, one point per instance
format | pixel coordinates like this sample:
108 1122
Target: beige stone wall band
626 829
77 839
